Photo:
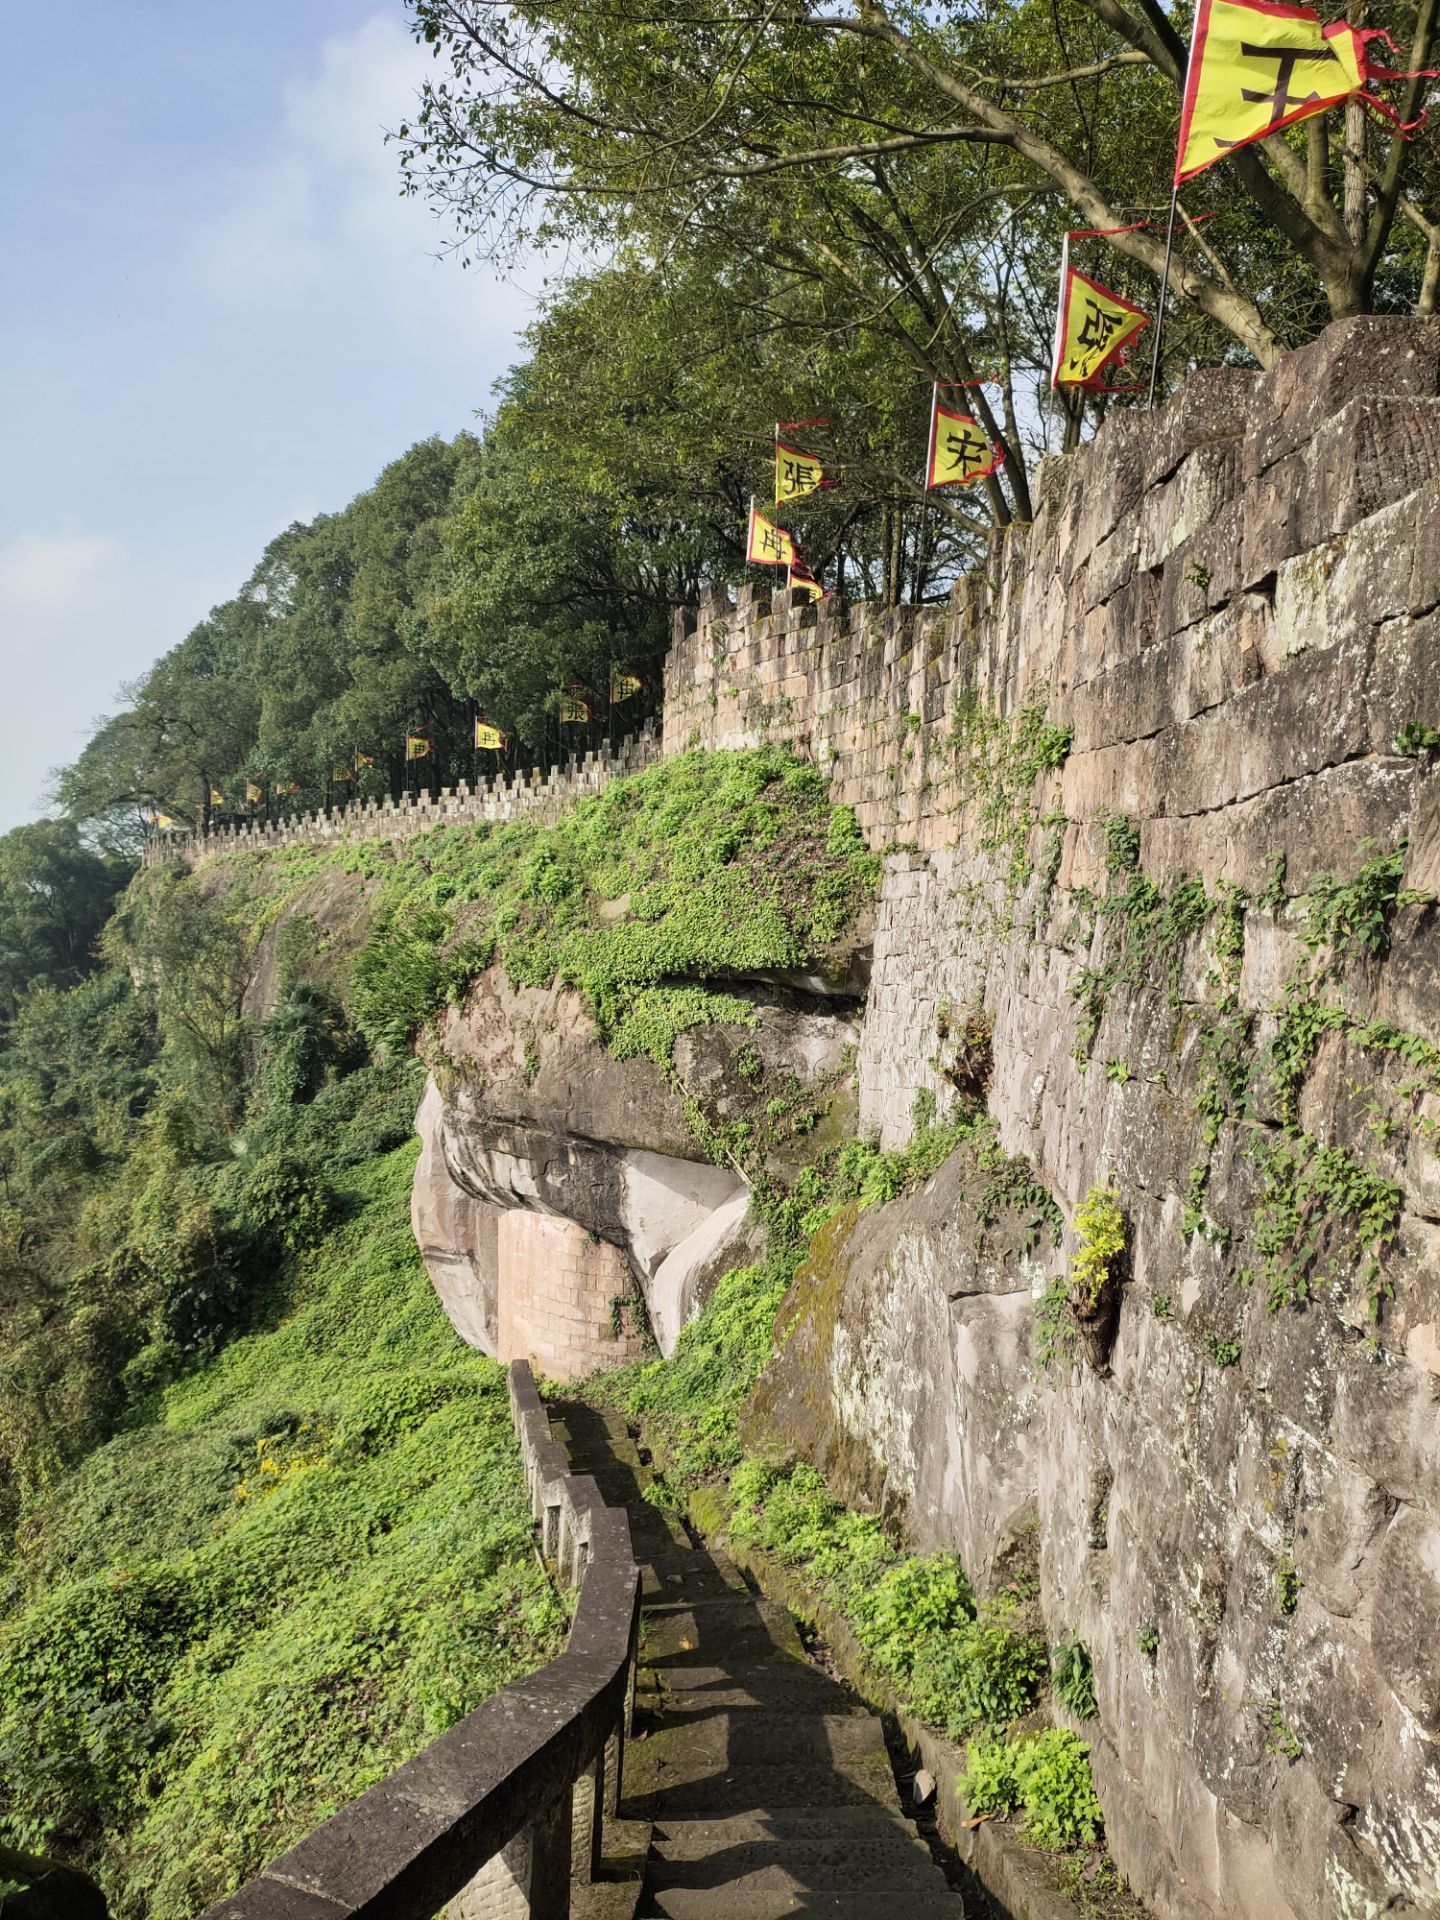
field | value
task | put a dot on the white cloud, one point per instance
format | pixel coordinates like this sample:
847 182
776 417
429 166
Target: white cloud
321 224
45 576
79 613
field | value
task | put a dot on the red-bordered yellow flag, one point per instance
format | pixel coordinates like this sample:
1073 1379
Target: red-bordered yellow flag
253 794
573 708
1256 66
767 544
796 472
804 581
959 450
1092 328
417 746
623 685
341 773
489 736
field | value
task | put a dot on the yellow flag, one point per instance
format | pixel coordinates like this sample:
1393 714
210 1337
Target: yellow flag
1256 67
796 472
804 581
573 708
959 450
768 545
217 799
488 736
1092 327
253 794
416 746
364 759
623 685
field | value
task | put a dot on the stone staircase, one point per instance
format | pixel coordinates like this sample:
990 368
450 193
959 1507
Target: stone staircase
765 1785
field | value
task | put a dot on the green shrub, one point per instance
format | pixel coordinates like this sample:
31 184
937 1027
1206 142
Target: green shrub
1046 1774
1073 1676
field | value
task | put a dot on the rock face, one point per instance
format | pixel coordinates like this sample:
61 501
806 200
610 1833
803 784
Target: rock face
1235 607
537 1120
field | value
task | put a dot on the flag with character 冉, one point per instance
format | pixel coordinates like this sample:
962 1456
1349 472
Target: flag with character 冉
623 686
1094 328
959 450
1256 66
768 545
573 709
797 472
489 736
417 746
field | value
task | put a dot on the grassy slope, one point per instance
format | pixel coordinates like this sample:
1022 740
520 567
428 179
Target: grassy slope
313 1559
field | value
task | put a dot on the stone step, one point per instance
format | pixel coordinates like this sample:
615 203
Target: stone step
735 1627
797 1850
691 1575
751 1737
779 1903
655 1790
782 1685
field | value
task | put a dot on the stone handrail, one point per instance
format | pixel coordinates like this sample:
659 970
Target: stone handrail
495 800
486 1822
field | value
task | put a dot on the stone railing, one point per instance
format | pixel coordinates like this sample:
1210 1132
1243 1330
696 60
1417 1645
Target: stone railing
496 800
491 1820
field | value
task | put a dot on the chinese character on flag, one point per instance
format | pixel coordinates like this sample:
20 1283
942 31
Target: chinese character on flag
489 736
804 581
573 709
253 794
959 451
768 545
1092 328
623 685
797 473
417 746
1256 67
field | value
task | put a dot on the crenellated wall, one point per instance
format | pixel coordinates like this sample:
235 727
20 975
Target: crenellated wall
526 796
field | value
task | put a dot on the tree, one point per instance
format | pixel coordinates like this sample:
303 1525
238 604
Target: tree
887 155
55 896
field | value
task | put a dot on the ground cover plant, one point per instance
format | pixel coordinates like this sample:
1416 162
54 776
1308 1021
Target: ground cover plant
310 1558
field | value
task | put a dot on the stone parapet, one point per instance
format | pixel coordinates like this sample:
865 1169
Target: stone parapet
483 1822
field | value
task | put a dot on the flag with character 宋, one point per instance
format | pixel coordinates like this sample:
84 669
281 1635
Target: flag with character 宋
1257 66
767 544
959 450
1093 328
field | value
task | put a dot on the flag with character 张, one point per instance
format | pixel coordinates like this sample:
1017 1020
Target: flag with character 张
797 472
573 709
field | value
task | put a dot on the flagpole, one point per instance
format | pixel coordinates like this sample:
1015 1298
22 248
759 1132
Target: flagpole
930 441
1164 288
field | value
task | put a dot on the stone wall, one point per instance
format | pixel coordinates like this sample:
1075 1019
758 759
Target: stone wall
1233 606
526 796
563 1302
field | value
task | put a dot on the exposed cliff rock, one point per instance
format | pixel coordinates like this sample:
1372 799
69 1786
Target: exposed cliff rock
527 1111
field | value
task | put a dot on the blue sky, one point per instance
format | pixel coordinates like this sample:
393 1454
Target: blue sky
218 316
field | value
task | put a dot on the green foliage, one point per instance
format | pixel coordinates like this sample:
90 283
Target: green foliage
1100 1240
1353 917
1073 1677
1224 1352
1054 1325
1323 1220
1287 1586
718 862
55 896
1148 1640
1415 738
1046 1774
1283 1741
314 1557
1122 845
